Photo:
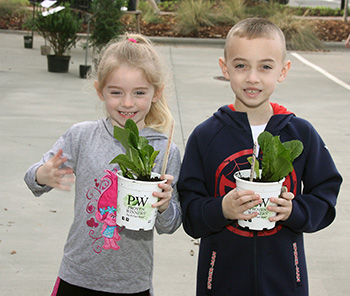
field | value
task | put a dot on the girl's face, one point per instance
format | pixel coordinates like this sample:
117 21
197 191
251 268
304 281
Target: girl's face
254 66
127 94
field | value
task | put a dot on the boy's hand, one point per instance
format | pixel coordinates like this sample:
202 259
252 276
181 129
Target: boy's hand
284 206
165 195
235 203
52 175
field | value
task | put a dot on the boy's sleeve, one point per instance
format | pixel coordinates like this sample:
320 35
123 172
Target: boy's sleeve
314 209
202 213
170 220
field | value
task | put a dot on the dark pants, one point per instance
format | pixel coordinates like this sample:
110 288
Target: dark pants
66 289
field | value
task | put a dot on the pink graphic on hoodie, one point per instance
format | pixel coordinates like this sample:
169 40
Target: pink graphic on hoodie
107 213
103 205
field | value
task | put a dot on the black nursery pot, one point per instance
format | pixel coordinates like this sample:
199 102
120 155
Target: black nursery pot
58 64
84 70
28 41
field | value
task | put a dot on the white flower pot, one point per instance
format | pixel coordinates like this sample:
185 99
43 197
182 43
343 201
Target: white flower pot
266 190
135 200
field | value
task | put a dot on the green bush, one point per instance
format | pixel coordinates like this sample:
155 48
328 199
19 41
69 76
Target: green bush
229 12
13 7
299 34
148 13
59 29
192 14
106 21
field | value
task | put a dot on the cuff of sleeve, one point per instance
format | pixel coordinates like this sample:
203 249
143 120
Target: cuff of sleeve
215 216
166 215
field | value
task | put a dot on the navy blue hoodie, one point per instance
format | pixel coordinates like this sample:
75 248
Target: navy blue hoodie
236 261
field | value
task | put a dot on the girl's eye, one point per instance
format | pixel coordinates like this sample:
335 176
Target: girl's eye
115 92
140 93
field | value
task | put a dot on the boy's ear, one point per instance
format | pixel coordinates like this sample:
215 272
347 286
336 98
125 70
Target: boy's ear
99 93
284 71
158 94
224 68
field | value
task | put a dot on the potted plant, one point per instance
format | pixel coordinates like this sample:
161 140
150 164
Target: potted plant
60 29
276 164
136 181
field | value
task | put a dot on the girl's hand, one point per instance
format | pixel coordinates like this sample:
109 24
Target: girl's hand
165 195
235 203
52 175
284 206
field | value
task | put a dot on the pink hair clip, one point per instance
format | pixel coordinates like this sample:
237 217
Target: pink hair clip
132 40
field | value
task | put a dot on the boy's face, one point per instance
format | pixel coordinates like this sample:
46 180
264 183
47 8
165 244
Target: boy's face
254 66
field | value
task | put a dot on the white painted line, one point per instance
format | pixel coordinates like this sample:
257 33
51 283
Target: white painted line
322 71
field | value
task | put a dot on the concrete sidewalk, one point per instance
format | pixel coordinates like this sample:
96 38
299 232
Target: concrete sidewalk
36 107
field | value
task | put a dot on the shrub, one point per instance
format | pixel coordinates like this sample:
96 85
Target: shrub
148 13
106 21
192 14
230 12
14 7
60 29
299 34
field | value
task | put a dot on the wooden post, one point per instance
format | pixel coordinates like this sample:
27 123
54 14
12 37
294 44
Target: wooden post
346 9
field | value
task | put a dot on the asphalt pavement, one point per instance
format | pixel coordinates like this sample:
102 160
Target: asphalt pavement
36 107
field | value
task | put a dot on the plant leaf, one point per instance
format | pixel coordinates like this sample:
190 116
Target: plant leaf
139 156
256 166
295 147
122 135
131 125
277 161
124 161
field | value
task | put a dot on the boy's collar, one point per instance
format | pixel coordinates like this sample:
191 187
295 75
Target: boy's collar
277 109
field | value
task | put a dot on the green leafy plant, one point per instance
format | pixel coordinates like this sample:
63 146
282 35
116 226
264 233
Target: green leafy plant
60 29
106 21
138 161
14 7
277 159
193 14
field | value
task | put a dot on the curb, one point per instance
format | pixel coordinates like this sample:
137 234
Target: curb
208 42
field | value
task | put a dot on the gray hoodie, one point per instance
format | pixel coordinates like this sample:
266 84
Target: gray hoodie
89 261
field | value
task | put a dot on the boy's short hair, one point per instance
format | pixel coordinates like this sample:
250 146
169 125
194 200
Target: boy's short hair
252 28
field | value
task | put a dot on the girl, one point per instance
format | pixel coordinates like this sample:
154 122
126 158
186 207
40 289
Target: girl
100 258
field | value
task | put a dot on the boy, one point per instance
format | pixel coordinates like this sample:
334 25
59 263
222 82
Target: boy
234 260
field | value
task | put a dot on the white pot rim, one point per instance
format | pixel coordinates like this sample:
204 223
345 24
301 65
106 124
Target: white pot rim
153 174
238 177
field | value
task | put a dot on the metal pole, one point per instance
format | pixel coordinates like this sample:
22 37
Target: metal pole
87 41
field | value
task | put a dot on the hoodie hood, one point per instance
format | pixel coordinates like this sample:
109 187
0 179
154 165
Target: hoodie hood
231 118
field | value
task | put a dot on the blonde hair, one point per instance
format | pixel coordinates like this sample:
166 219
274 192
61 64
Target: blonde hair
252 28
138 52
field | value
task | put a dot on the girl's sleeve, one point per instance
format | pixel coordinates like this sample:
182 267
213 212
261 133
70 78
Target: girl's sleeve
170 220
64 143
314 208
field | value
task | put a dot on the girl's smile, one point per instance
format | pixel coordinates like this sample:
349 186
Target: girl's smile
127 94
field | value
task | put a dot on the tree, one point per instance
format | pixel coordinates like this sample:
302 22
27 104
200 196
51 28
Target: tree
106 21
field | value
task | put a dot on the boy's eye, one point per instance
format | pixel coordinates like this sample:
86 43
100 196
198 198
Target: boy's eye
239 66
267 67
